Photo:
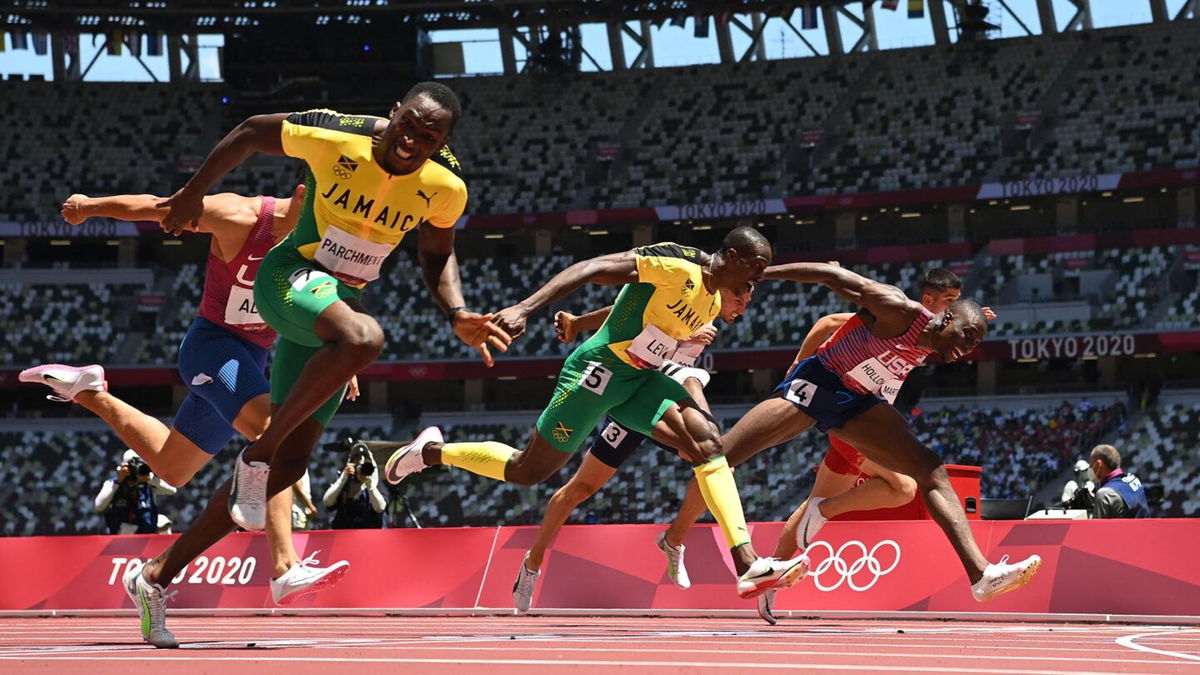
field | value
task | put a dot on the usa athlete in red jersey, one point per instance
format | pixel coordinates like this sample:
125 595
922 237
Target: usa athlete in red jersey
222 358
840 389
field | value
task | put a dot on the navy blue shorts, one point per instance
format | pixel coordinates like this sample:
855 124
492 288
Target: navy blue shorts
820 394
222 372
616 442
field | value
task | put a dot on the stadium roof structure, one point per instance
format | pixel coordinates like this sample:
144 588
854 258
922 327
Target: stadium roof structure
528 21
443 14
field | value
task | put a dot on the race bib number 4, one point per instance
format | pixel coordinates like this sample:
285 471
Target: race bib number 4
650 347
800 392
240 309
350 258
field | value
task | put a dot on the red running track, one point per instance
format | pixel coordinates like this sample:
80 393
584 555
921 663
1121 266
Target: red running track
300 645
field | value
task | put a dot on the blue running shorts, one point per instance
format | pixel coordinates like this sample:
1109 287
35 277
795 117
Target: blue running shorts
222 372
821 395
616 443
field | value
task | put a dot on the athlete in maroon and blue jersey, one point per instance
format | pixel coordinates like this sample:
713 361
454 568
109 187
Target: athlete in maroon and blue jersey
841 390
223 355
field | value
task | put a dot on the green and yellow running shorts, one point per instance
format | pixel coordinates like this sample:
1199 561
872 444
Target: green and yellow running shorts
594 382
290 292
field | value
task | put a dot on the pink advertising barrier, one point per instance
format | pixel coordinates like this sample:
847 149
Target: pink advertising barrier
1097 567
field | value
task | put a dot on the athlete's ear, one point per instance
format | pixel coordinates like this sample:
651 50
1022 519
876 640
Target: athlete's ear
395 109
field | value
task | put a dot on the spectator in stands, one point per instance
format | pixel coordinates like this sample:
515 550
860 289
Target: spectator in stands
127 500
302 504
1118 494
355 496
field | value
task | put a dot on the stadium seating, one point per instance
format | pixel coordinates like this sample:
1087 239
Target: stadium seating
1165 449
47 323
110 138
54 498
780 314
1019 450
1131 109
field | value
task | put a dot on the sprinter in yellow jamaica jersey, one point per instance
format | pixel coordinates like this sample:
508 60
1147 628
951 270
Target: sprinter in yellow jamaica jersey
627 370
371 180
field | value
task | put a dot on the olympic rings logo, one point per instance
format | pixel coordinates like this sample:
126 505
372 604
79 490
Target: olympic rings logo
845 571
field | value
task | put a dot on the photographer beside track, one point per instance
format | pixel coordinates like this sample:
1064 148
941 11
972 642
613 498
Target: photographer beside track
355 496
127 500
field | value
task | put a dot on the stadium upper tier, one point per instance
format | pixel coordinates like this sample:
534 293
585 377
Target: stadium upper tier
1068 292
1107 101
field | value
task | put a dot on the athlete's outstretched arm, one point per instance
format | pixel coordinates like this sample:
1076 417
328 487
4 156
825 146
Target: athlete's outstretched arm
611 269
439 267
879 299
260 133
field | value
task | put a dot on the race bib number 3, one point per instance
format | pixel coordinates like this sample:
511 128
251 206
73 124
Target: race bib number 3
651 346
613 434
595 378
350 258
240 309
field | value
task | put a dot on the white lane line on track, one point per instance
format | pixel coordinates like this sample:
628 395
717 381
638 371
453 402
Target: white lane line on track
1131 641
52 652
558 663
486 567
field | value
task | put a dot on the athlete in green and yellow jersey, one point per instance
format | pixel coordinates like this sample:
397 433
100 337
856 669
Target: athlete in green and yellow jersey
626 371
371 180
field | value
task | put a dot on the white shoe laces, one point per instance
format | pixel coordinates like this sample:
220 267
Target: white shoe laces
254 491
310 561
157 600
526 579
674 555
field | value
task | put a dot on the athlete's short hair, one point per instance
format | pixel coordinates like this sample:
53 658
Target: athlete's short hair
938 279
441 95
1109 454
968 310
747 241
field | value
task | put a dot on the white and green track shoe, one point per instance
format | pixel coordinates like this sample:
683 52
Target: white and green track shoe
151 602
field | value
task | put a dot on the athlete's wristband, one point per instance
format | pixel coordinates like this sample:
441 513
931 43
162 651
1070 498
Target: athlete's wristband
453 312
681 374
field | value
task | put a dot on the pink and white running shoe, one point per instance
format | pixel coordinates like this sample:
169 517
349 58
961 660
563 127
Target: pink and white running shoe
66 381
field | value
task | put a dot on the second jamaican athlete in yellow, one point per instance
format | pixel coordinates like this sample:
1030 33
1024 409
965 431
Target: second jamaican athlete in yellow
626 370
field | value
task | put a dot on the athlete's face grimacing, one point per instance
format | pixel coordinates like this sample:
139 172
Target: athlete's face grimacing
743 269
956 336
733 305
937 301
417 128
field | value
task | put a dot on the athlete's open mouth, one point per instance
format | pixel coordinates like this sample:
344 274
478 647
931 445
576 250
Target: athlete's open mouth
403 154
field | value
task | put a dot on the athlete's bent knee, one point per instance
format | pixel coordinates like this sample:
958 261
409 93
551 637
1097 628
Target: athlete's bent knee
524 475
578 492
905 489
176 477
363 337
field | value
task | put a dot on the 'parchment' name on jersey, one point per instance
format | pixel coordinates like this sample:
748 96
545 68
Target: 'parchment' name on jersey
362 207
351 255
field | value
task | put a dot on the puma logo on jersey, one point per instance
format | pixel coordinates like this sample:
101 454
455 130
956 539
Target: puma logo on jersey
421 194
